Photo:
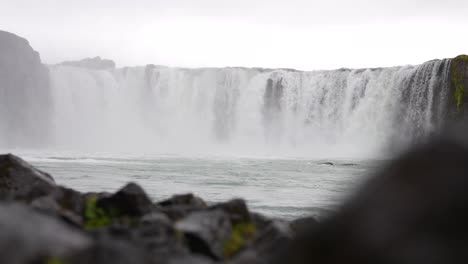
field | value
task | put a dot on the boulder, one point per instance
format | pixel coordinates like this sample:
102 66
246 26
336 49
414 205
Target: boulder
131 200
69 199
179 206
184 199
206 232
304 224
107 250
21 180
271 241
236 209
27 236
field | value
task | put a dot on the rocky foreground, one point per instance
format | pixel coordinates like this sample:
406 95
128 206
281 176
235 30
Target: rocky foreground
42 222
413 211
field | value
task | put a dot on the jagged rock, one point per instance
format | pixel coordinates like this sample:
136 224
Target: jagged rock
155 217
95 63
27 236
190 259
130 200
184 199
23 181
25 98
159 240
179 206
271 242
304 224
206 232
236 209
106 250
247 257
69 199
46 204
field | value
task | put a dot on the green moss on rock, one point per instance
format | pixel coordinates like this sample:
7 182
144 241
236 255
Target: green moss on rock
55 260
240 234
96 217
457 78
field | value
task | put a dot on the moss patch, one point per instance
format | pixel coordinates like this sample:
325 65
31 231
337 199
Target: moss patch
55 260
457 78
240 234
96 217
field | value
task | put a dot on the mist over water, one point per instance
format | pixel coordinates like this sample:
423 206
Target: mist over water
264 135
246 112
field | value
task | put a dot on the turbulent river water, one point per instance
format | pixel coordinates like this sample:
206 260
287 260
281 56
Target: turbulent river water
255 133
284 188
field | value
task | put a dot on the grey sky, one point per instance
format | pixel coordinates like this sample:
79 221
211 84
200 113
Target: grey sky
304 34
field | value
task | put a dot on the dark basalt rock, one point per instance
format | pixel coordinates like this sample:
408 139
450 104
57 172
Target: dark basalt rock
184 199
414 210
236 209
106 250
206 232
27 236
302 225
159 240
21 180
272 241
69 199
179 206
190 259
130 200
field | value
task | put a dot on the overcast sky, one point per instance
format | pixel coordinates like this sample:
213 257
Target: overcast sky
301 34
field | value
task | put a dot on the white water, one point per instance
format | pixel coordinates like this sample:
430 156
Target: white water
247 112
223 133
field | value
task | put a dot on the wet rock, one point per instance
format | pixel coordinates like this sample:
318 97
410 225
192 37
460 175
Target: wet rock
155 217
260 221
184 199
189 259
271 242
159 240
247 257
21 180
236 209
130 200
206 232
69 199
46 204
106 250
27 236
179 206
304 224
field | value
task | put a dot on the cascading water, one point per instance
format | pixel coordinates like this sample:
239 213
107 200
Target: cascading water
157 109
238 111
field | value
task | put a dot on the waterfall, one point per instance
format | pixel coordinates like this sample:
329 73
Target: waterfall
156 109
